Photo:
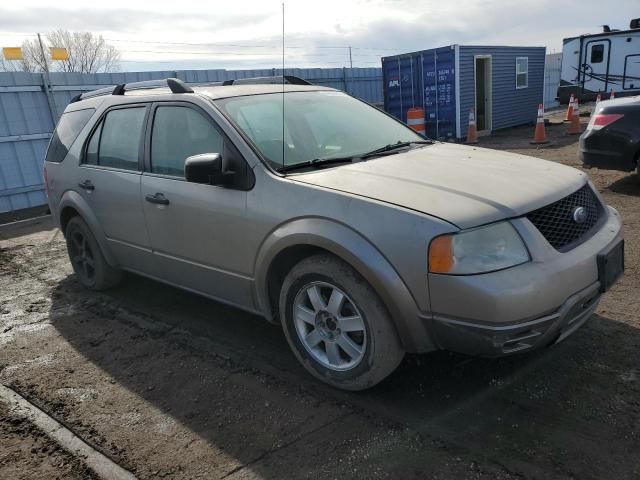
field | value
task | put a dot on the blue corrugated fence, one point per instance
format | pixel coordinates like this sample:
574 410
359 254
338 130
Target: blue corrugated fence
26 120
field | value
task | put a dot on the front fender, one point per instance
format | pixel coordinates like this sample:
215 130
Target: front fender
74 200
353 248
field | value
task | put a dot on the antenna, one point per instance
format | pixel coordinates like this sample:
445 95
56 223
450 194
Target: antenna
283 82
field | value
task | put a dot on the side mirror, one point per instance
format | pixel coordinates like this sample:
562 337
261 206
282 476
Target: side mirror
203 168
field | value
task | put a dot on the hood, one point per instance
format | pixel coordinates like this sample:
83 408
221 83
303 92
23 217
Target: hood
466 186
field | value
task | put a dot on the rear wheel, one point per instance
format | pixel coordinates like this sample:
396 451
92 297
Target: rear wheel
336 325
87 260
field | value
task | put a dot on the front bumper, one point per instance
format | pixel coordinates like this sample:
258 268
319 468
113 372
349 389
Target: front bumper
497 340
523 307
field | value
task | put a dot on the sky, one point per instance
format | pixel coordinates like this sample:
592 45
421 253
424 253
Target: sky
235 34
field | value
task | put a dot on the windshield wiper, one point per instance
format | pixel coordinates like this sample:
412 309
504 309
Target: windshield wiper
393 147
320 162
316 163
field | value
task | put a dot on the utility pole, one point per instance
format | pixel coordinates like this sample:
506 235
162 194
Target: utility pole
350 71
47 85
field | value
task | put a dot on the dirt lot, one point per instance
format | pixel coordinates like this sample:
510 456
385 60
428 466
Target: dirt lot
171 385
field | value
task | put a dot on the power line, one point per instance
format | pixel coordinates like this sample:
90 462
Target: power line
253 54
241 45
224 44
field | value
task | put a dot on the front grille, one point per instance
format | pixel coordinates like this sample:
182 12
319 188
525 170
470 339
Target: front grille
557 224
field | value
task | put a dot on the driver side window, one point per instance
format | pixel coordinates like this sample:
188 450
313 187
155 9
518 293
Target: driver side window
180 132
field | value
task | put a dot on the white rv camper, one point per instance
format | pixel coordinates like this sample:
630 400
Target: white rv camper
595 64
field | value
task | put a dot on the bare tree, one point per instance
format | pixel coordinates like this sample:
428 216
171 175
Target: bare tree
88 53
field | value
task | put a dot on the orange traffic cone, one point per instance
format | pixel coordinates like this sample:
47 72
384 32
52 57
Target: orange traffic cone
540 135
613 94
472 133
574 127
569 114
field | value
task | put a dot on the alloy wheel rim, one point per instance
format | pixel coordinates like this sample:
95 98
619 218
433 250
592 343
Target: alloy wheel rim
82 256
330 326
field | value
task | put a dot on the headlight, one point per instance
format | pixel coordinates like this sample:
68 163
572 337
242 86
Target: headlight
480 250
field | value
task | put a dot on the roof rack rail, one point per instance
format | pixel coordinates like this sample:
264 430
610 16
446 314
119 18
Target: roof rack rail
175 85
290 79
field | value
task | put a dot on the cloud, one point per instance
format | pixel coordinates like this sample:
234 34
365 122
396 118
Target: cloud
374 28
44 19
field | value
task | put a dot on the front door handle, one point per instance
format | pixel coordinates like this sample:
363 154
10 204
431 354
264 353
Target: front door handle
87 185
158 199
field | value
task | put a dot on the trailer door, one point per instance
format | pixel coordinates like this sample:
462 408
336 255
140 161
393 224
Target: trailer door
631 72
595 66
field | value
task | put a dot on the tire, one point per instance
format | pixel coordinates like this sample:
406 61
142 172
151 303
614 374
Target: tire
345 336
87 259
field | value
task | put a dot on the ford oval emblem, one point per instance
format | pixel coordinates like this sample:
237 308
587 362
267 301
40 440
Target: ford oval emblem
580 215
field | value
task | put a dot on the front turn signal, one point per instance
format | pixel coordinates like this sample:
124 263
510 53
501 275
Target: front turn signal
441 254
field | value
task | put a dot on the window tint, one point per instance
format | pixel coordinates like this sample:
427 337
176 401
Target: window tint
92 149
116 142
178 133
522 72
597 53
316 125
68 129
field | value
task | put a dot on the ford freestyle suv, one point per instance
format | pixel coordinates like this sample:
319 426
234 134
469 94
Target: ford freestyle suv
323 214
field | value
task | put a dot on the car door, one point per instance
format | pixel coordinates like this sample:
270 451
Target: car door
198 231
109 181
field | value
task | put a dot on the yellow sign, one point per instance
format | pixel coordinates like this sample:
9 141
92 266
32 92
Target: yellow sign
59 53
12 53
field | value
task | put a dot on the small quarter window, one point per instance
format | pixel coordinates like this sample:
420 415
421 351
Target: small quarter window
522 72
178 133
597 53
92 149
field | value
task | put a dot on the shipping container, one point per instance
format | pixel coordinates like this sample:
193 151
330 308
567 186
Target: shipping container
502 85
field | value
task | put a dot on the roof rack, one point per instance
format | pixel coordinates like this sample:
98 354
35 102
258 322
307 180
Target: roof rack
290 79
175 85
178 86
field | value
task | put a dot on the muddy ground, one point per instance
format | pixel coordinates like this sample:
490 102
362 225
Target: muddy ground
171 385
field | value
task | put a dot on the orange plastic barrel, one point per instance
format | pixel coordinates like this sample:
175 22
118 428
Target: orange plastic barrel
415 119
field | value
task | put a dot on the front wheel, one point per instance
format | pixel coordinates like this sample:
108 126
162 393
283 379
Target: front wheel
336 324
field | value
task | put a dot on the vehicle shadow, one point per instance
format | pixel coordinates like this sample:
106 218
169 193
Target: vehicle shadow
628 185
570 409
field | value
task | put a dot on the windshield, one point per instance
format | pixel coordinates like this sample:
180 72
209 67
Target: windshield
317 125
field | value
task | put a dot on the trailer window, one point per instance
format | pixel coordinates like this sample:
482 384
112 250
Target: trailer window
597 53
522 72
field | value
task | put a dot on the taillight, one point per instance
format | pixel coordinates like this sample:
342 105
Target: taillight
46 180
601 120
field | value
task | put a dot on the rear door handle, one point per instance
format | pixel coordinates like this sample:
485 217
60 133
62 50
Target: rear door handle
87 185
158 199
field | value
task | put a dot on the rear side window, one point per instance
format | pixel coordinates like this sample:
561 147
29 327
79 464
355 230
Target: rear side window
178 133
116 141
68 129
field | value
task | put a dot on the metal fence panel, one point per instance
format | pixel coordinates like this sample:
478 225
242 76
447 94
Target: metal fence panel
26 120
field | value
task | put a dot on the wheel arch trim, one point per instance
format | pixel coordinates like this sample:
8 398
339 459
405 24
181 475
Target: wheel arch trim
72 199
351 247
